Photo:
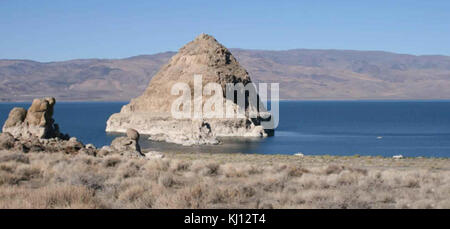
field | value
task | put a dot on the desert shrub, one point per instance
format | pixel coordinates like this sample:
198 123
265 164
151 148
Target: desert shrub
166 180
180 166
205 168
132 193
40 180
333 169
157 165
49 197
192 196
296 171
111 161
8 167
27 172
129 169
359 170
16 157
68 196
346 178
240 170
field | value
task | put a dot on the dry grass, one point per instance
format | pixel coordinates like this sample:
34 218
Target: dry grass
39 180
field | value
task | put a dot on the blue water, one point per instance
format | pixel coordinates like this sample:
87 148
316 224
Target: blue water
410 128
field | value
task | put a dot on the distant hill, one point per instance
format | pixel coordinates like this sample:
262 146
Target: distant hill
302 74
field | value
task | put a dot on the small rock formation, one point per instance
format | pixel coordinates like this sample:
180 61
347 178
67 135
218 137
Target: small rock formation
36 122
90 146
35 131
35 144
133 134
16 117
150 113
129 145
73 145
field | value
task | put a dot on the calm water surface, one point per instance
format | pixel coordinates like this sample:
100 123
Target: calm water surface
410 128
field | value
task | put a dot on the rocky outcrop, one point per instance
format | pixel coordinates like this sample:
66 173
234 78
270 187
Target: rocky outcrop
126 146
35 144
35 131
37 121
16 117
150 113
133 134
186 133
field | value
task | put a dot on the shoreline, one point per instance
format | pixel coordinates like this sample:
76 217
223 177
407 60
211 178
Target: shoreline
349 156
318 160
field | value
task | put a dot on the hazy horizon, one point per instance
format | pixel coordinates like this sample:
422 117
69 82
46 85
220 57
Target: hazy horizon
56 31
269 50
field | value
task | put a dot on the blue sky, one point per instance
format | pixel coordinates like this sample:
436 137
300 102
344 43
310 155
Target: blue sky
60 30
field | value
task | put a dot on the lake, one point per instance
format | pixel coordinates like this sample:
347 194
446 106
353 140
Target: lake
385 128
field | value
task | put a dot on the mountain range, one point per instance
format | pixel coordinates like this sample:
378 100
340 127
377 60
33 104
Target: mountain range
303 74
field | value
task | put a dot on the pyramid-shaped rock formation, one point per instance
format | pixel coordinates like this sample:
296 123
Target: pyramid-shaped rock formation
150 113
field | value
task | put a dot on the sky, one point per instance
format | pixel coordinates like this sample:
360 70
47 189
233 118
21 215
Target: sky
55 30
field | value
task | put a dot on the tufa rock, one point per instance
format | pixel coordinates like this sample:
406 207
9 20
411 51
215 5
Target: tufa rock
36 122
199 134
128 146
89 149
40 112
104 151
133 134
204 56
150 113
15 117
90 146
35 131
72 146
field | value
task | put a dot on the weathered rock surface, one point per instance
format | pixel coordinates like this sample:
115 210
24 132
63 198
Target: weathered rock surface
124 146
127 147
35 131
73 145
36 122
16 117
35 144
133 134
150 113
193 133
